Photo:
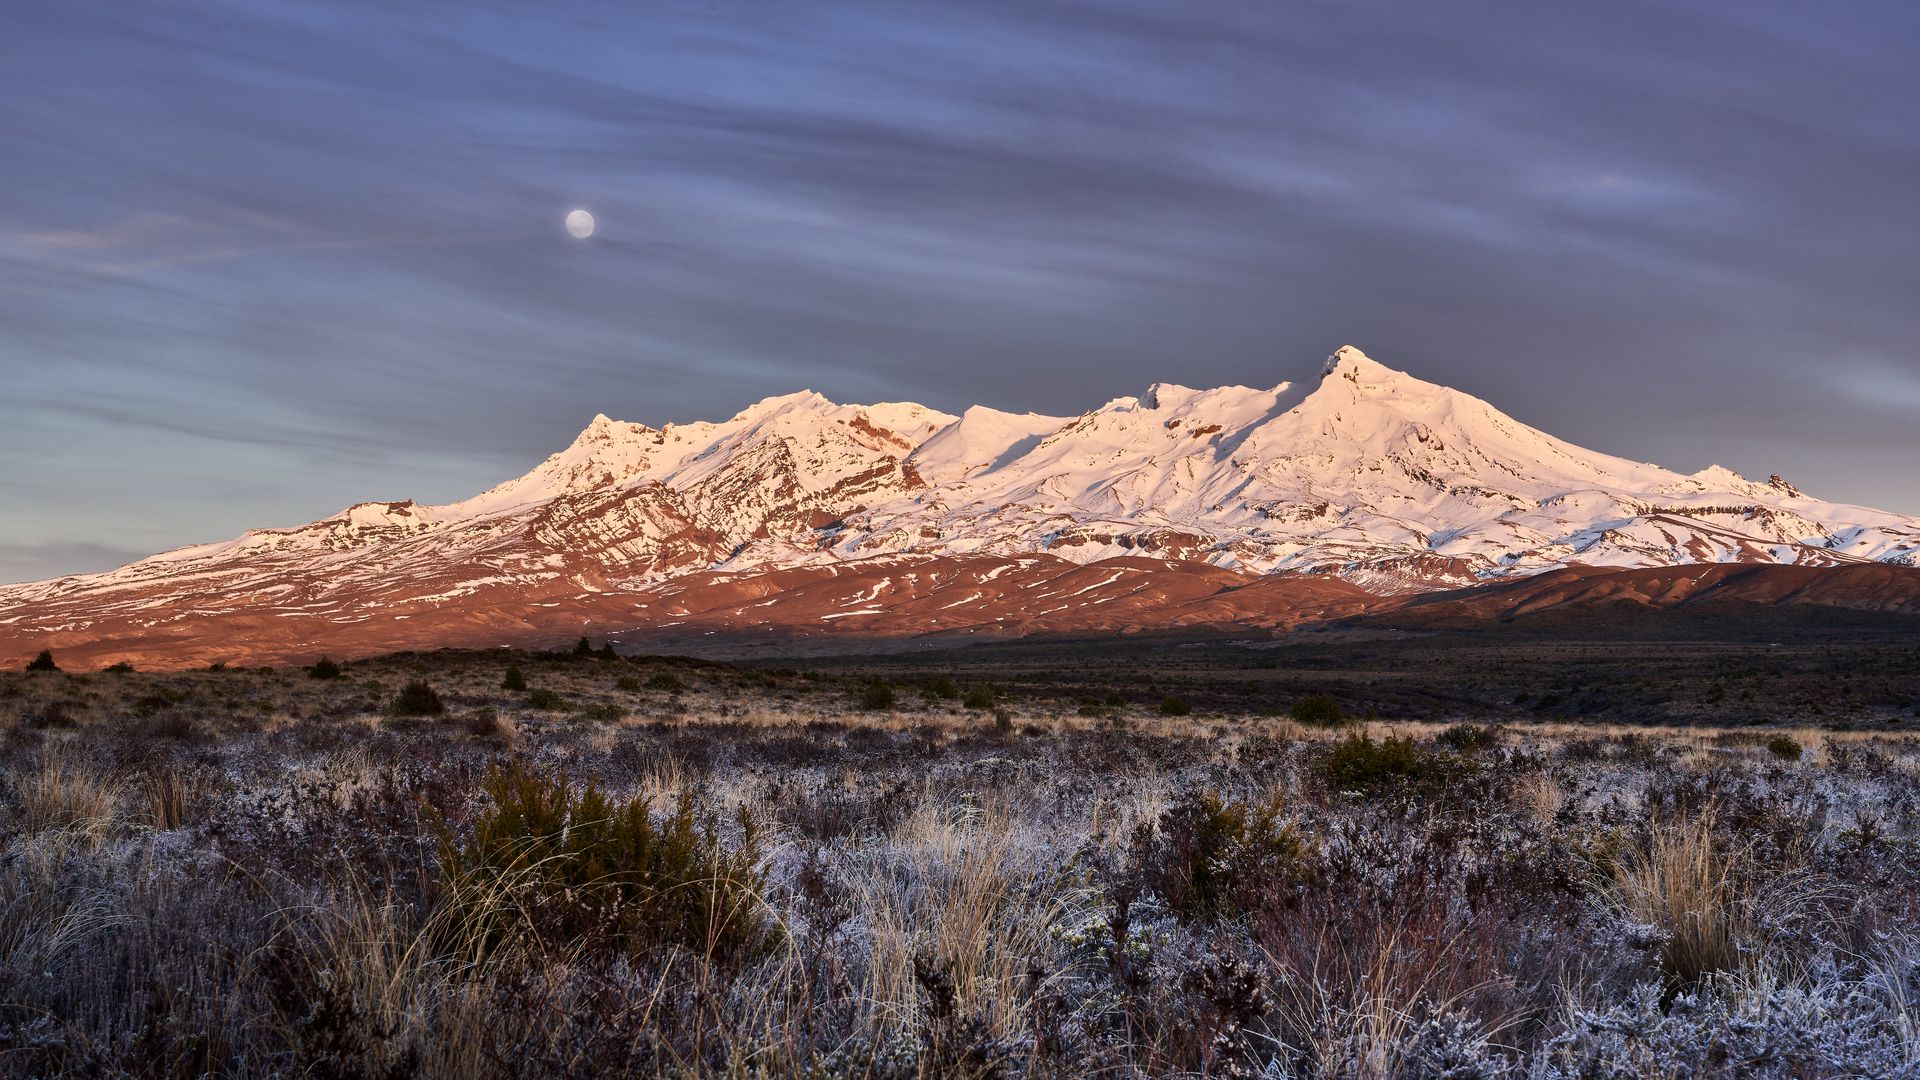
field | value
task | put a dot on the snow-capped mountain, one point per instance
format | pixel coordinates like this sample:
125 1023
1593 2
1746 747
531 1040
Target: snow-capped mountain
1365 473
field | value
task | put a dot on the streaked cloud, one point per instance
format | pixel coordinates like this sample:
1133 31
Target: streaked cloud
327 238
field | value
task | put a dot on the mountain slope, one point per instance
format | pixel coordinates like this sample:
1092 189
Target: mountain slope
1373 475
1368 475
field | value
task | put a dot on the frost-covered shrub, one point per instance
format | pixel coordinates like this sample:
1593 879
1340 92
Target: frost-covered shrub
1729 1031
1469 738
572 865
1209 856
1358 763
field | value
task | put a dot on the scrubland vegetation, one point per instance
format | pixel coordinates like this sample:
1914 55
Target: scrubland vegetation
530 866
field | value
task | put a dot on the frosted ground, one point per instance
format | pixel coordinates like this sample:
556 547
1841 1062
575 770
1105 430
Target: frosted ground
646 867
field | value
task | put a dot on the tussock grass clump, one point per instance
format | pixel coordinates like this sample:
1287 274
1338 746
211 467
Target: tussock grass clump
572 865
1684 884
71 797
163 794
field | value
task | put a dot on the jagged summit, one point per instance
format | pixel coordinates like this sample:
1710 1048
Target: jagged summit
1345 355
1368 474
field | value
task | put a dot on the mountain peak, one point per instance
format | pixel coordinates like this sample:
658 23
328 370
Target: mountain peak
604 429
1345 355
808 400
1357 366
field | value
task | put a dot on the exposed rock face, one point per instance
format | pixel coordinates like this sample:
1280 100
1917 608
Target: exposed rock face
1369 480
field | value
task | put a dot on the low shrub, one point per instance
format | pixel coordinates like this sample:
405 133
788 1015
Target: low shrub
940 688
1210 857
980 697
877 695
1467 738
571 866
324 668
1357 763
544 698
487 723
1175 705
121 668
43 662
514 679
665 680
417 698
1317 709
1785 747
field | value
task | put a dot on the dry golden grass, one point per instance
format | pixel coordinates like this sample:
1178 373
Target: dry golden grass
1685 884
163 798
72 797
946 884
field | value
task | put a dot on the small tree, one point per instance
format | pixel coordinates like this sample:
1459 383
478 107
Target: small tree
324 668
417 699
1785 747
515 679
606 651
1318 709
583 648
877 695
43 662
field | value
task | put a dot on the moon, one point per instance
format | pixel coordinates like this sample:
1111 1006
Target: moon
580 224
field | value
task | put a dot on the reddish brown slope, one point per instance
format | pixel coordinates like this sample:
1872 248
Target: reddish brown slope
1862 587
880 598
857 604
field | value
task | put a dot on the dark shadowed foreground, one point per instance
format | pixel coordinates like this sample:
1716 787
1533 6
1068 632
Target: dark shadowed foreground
1163 863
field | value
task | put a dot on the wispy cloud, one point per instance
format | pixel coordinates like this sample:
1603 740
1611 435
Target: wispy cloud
334 230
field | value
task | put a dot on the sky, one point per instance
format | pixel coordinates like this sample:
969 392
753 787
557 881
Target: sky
262 260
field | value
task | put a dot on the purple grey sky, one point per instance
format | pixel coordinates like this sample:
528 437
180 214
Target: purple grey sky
259 260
